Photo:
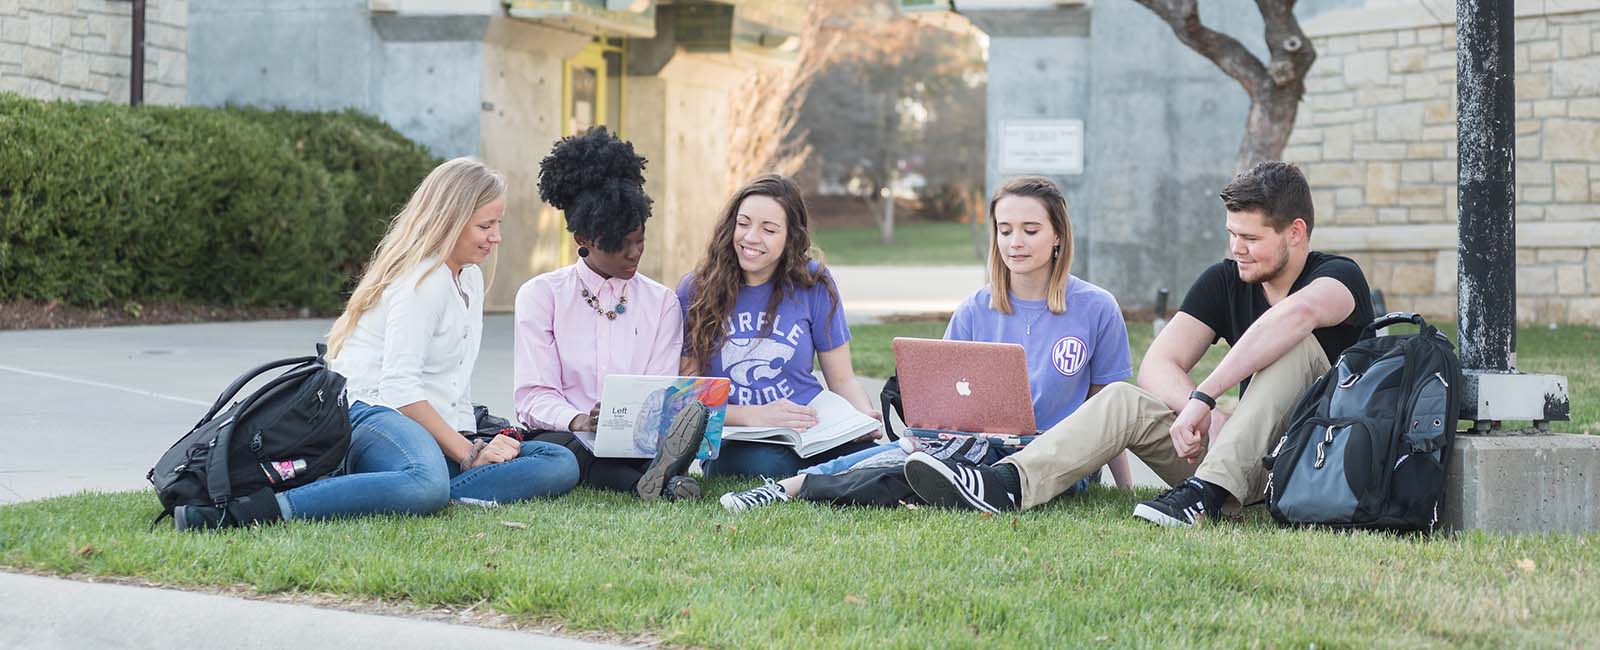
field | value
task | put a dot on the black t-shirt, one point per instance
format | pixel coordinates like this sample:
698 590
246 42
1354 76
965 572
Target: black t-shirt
1229 306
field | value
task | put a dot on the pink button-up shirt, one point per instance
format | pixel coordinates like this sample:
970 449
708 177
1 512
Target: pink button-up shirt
564 349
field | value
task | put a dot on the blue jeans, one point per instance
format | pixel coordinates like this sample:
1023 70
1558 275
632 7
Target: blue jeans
773 461
847 461
395 467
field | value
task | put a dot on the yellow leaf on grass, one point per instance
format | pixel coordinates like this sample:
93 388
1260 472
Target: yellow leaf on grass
855 600
1526 565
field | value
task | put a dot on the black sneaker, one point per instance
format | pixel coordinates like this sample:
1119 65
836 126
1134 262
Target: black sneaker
260 507
957 485
676 451
1184 505
767 493
199 518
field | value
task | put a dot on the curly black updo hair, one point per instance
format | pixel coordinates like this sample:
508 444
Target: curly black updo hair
599 181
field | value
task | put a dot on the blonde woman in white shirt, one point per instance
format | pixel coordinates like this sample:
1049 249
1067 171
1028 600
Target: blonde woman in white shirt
407 343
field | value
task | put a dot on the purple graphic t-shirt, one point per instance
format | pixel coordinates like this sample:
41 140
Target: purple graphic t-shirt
779 365
1086 344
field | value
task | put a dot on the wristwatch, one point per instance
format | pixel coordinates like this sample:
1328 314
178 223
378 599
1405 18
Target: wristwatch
1209 401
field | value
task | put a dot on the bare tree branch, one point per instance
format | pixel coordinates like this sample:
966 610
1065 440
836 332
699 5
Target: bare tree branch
1275 88
1183 16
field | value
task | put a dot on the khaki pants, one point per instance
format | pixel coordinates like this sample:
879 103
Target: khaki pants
1124 416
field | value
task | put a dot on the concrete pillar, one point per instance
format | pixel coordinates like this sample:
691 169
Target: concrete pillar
1039 70
519 120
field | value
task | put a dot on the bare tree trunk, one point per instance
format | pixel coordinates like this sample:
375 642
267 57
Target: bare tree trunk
1275 88
886 218
973 205
1267 129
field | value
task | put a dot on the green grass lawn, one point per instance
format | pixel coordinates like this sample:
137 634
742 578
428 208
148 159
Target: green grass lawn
916 244
1570 350
1075 573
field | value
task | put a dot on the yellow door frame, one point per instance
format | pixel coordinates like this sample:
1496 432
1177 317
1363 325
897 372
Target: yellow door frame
593 56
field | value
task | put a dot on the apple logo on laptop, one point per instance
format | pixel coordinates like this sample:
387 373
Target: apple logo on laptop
963 388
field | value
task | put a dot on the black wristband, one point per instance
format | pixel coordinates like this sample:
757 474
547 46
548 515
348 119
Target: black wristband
1209 401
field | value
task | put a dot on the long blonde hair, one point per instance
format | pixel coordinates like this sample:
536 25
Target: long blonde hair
1055 205
428 226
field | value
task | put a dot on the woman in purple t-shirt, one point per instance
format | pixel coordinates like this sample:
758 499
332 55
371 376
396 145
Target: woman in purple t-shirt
1071 331
758 310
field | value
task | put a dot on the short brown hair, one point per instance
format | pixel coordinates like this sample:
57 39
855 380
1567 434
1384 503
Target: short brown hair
1274 188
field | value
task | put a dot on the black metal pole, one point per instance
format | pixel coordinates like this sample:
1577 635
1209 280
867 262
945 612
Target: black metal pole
136 74
1486 188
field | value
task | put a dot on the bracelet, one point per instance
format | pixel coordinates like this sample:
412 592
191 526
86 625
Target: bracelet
1209 401
477 448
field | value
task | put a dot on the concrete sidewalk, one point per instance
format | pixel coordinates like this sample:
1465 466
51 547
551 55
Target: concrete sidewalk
54 614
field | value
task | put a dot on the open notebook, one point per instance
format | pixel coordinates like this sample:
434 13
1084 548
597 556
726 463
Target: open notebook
837 423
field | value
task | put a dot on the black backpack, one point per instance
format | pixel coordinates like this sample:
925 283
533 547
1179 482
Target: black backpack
293 430
1368 442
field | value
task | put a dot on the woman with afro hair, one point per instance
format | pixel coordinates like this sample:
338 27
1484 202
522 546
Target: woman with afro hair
577 324
761 312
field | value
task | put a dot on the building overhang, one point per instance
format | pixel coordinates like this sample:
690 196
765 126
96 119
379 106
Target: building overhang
741 32
630 18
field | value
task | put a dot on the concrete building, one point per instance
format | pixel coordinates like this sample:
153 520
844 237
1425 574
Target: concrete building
498 80
1142 132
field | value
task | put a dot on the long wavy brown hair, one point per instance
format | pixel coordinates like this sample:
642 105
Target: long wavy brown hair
717 278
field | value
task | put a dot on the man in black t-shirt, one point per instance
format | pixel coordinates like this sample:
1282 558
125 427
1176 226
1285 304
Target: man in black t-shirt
1287 313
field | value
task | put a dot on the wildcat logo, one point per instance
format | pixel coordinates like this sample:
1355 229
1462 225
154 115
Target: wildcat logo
752 364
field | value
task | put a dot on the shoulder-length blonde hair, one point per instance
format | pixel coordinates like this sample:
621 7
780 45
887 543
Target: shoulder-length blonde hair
1055 205
428 226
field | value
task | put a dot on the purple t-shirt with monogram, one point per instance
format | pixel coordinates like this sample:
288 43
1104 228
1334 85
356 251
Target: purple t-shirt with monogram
1086 344
779 365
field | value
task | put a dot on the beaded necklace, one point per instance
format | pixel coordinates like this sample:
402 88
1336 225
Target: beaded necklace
594 302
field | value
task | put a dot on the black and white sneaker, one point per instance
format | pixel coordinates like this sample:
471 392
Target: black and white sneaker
765 494
1183 506
953 484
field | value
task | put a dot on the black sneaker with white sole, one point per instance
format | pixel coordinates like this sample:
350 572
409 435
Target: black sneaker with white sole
765 494
953 484
1184 506
676 451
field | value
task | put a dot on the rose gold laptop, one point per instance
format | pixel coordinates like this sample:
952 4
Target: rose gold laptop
964 388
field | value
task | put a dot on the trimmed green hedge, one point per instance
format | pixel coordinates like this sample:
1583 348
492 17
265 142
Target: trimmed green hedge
102 203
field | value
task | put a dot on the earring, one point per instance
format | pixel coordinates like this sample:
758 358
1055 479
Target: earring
583 251
1055 252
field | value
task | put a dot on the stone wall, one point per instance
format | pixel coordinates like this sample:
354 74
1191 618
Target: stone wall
55 49
1376 136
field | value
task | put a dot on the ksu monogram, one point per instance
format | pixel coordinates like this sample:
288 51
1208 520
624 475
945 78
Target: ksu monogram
1069 355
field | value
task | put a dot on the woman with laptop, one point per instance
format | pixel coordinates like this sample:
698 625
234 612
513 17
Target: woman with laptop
407 342
598 317
761 312
1072 333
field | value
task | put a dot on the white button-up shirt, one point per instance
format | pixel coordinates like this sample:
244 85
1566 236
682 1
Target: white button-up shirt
419 343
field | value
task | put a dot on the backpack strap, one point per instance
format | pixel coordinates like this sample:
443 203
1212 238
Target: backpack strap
239 384
1392 318
889 399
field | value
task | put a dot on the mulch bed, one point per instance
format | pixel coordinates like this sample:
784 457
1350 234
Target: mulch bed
26 315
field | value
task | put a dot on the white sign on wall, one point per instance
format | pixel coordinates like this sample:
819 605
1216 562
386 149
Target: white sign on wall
1041 147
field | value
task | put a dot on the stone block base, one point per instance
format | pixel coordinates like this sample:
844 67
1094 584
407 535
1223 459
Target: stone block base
1533 484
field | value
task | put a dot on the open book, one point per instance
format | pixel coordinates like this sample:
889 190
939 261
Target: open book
837 423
